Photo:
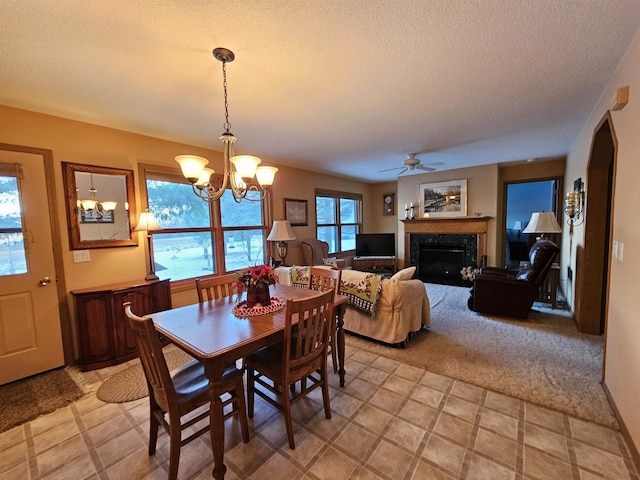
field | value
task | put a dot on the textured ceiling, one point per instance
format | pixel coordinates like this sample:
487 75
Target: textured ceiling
345 87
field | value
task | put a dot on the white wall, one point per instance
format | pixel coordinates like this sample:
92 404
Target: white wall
622 364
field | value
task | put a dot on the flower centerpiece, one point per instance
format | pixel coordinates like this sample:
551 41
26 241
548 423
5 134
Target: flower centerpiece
256 281
469 273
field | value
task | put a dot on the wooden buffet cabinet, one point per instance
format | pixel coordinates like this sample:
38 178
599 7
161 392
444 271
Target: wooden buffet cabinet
103 328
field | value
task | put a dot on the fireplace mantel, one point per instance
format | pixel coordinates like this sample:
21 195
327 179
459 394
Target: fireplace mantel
452 225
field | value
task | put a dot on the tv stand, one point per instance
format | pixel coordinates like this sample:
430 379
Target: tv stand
381 265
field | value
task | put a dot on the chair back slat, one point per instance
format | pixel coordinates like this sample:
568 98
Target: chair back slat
323 279
153 362
215 287
306 341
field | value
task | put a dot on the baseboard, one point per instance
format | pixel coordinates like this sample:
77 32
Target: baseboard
633 449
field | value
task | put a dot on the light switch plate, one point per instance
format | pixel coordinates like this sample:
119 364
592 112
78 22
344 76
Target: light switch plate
620 250
81 256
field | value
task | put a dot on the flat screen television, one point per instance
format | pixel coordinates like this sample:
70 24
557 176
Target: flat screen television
375 244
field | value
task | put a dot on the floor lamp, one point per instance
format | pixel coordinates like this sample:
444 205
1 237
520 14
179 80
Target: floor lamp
146 223
281 232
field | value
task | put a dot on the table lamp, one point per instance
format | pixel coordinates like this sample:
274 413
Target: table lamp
281 232
543 222
148 222
518 226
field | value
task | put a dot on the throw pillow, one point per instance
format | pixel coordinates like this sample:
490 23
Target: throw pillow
331 262
404 274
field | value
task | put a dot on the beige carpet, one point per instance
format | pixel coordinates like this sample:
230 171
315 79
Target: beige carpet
27 399
130 384
543 359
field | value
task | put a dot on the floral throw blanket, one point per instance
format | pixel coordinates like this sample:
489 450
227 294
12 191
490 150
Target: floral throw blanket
300 276
363 289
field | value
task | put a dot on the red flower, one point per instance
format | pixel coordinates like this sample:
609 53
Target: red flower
256 275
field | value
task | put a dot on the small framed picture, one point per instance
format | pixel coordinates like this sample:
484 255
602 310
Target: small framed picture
388 204
296 212
443 199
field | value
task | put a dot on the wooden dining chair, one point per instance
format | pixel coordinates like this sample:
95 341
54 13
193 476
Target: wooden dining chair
215 287
323 279
301 356
180 392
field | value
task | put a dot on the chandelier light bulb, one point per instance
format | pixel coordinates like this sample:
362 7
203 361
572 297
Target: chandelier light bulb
266 175
191 166
245 165
205 177
109 206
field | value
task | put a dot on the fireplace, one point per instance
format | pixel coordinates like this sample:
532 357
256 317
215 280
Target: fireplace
441 263
447 245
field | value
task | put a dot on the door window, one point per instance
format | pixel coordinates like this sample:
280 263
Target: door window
13 260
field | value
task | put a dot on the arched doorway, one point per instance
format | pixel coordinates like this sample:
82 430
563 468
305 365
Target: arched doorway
592 259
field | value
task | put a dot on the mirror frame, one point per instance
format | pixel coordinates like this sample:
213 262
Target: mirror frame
68 174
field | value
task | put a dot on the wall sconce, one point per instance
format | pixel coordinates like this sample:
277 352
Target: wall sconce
574 202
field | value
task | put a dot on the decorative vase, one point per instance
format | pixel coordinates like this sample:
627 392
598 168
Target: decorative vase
258 294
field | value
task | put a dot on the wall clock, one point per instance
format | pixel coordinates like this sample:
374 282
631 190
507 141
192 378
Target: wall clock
388 204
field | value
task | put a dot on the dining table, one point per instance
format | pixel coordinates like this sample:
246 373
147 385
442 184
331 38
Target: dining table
216 336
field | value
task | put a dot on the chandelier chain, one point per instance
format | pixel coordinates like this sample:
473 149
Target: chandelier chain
227 124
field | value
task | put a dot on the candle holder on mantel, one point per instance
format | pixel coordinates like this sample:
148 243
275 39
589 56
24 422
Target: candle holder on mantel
412 215
406 212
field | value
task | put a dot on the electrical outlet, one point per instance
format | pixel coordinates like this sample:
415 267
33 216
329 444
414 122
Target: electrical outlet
81 256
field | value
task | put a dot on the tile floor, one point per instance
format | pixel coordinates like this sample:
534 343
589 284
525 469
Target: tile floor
392 421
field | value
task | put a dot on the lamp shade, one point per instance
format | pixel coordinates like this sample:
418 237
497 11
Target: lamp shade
265 175
543 222
281 231
245 165
517 225
191 166
147 222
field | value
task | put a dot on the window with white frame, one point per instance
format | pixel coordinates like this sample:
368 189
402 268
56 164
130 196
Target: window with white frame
338 219
200 238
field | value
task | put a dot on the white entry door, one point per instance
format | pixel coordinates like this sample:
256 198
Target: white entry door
30 332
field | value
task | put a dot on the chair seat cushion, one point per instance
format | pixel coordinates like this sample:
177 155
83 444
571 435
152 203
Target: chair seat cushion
269 358
190 379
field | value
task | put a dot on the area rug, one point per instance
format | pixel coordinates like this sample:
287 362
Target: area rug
130 384
27 399
543 360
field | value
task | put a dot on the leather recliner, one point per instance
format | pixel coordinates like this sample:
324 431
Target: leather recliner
511 293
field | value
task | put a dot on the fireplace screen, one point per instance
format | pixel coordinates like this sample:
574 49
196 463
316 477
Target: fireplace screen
441 263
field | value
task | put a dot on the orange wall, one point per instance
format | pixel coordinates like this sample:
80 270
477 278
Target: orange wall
78 142
482 185
622 364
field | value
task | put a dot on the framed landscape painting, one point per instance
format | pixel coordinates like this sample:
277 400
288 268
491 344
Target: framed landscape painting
443 199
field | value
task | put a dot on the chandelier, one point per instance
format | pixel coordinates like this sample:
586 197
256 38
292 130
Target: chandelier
92 203
239 170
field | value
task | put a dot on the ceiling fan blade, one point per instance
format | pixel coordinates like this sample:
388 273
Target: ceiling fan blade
389 169
400 173
433 163
426 169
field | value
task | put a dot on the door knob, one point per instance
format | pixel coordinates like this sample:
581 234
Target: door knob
45 281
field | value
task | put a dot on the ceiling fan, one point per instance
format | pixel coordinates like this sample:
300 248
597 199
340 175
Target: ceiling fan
411 163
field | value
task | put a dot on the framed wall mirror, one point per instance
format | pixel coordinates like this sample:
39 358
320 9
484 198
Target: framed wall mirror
100 206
